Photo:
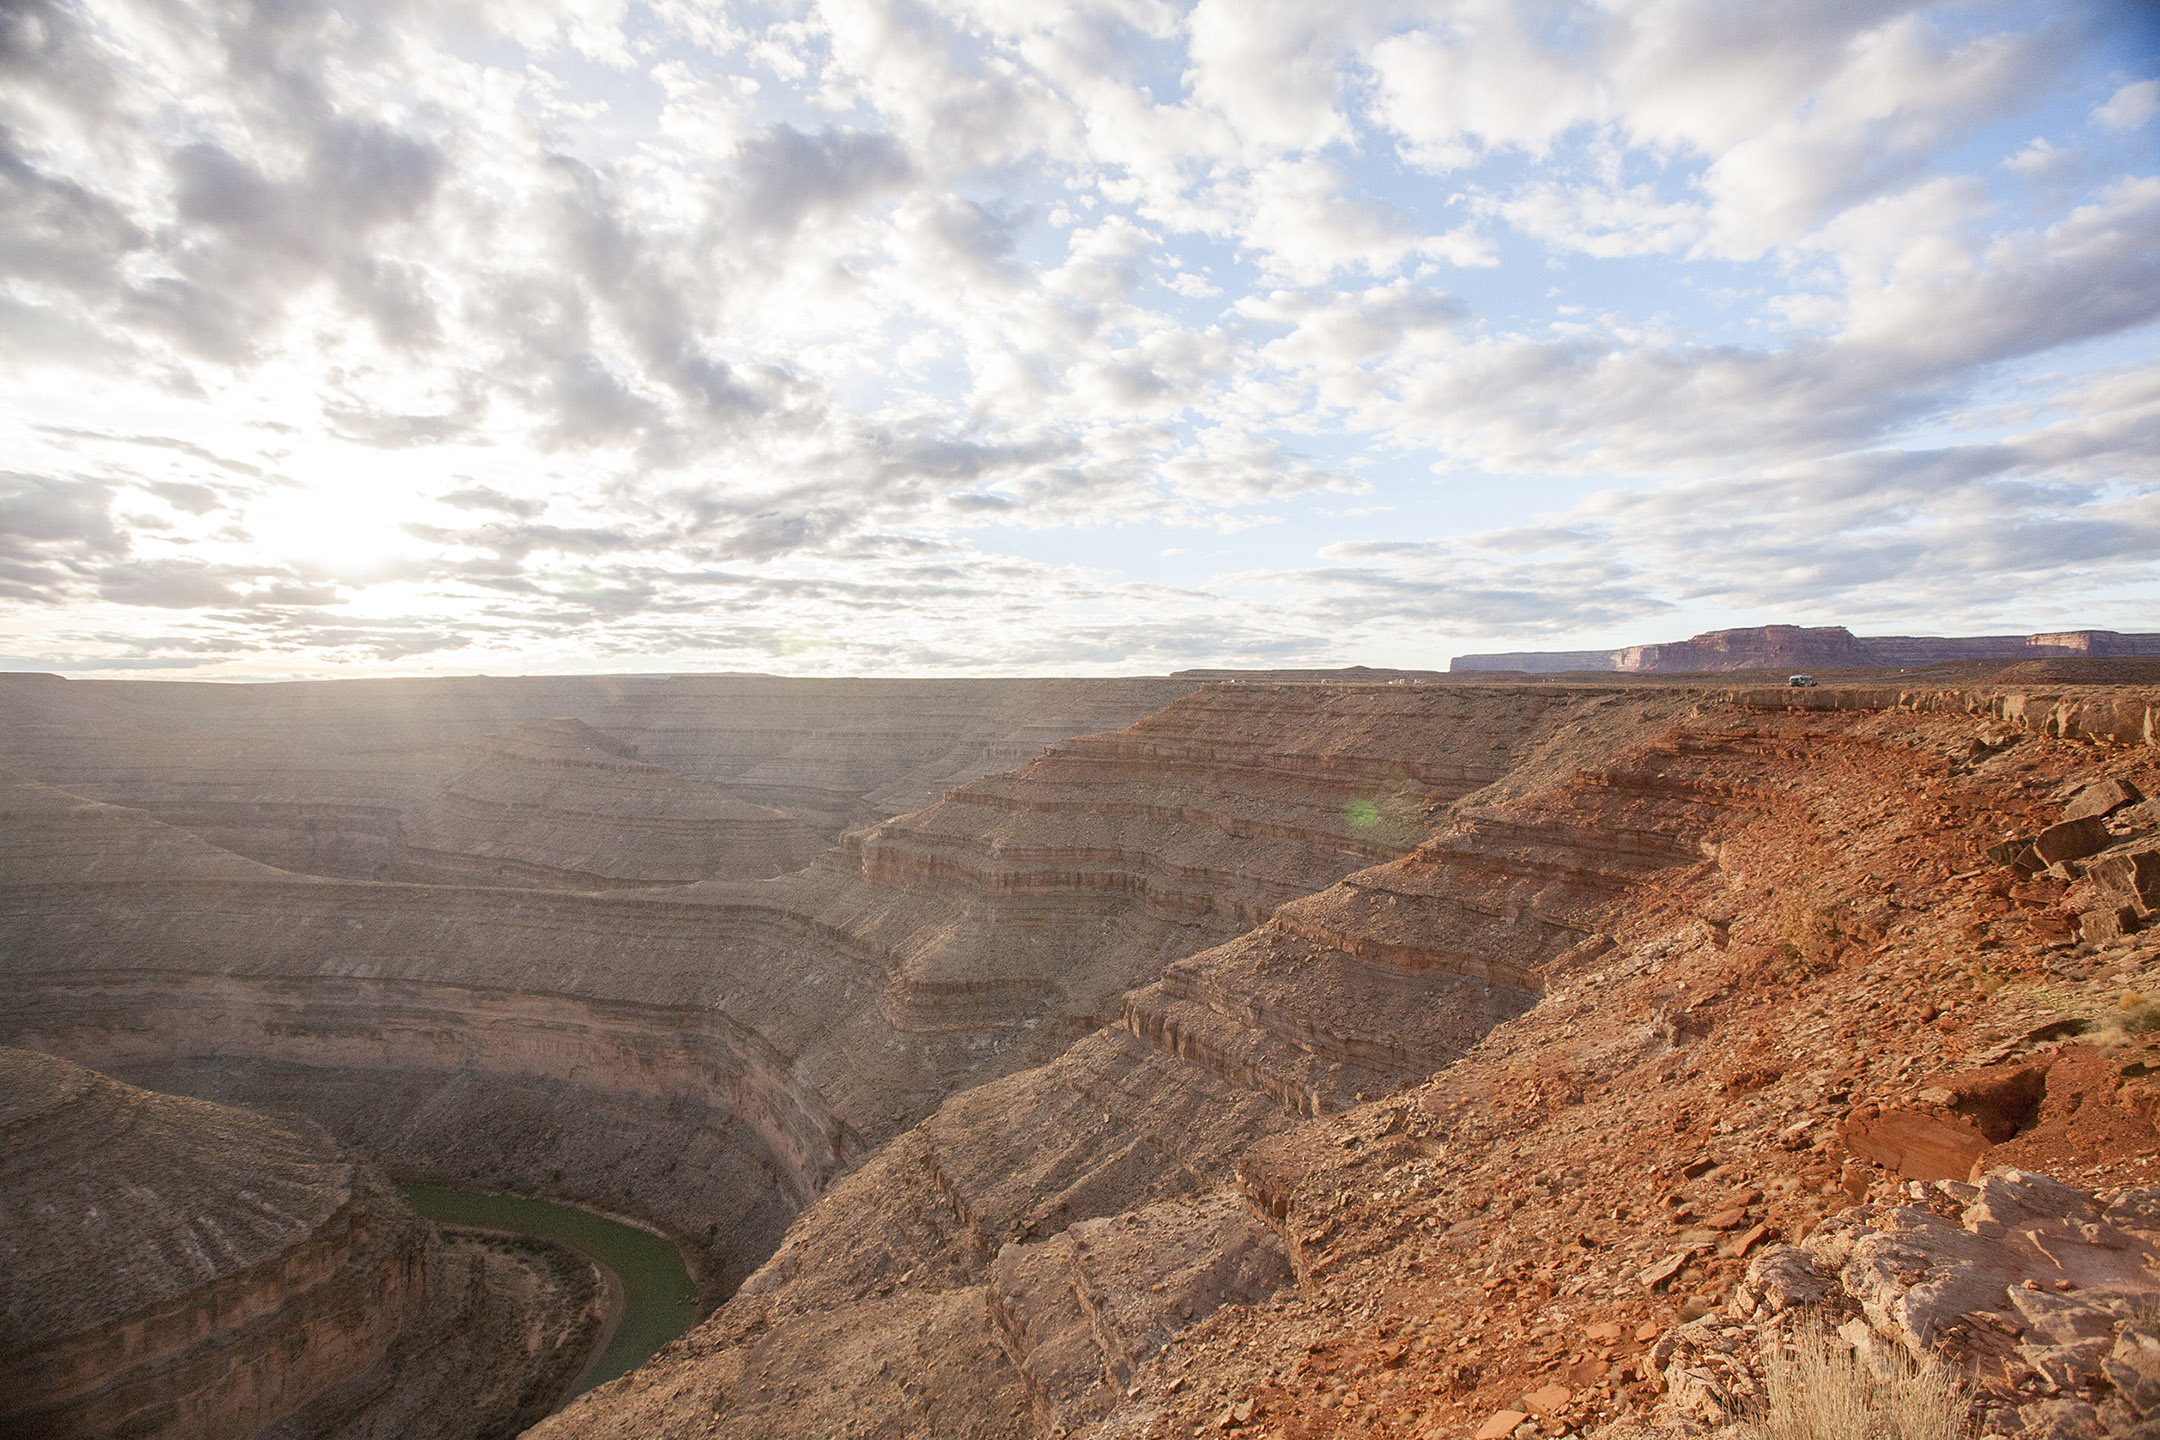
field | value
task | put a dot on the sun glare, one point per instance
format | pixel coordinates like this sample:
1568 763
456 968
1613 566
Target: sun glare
352 532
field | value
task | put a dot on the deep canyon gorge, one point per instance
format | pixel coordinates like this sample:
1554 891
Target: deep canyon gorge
1365 1053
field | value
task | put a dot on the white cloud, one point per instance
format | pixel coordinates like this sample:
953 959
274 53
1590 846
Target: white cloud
1603 222
1481 82
2130 107
1902 92
637 328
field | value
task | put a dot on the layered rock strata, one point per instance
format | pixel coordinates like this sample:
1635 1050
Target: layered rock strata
1365 985
715 1056
1055 889
1516 1240
556 804
1556 1055
509 1324
712 1056
176 1268
327 777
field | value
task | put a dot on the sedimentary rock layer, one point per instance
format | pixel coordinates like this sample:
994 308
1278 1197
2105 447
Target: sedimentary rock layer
713 1055
177 1268
1378 979
329 777
554 803
1117 979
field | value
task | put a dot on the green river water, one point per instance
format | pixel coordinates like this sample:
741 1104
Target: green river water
657 1294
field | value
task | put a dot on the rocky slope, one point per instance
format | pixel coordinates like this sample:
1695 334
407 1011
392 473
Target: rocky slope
1748 932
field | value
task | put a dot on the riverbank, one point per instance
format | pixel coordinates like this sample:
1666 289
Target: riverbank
651 1290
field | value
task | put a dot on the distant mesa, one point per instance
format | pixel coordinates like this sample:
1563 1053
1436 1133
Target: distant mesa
1825 647
1345 675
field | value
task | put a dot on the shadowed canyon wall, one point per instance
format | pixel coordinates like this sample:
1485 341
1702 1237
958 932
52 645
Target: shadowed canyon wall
176 1268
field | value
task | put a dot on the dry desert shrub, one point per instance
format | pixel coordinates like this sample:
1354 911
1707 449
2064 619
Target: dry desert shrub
1819 1389
1810 930
2134 1016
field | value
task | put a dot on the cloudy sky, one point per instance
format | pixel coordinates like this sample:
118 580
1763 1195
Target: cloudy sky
1064 336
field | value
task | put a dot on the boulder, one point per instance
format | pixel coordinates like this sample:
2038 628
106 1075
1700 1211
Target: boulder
2109 922
2101 798
2072 840
2008 850
1942 1131
1917 1143
2133 1367
2133 875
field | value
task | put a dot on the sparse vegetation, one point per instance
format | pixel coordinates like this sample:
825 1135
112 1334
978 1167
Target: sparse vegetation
1819 1389
2134 1015
1810 930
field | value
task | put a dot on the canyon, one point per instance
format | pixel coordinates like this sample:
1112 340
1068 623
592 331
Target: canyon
1266 1053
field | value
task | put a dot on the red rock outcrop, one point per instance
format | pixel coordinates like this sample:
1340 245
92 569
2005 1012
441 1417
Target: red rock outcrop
2040 1293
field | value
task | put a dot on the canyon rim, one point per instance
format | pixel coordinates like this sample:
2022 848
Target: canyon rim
1361 1053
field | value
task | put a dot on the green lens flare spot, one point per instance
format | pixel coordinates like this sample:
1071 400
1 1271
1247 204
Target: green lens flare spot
1362 814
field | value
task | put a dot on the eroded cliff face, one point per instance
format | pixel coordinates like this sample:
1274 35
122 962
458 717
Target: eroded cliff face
176 1268
556 804
1360 986
713 1056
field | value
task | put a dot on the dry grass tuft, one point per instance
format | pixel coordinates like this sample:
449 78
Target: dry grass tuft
1820 1390
2145 1312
